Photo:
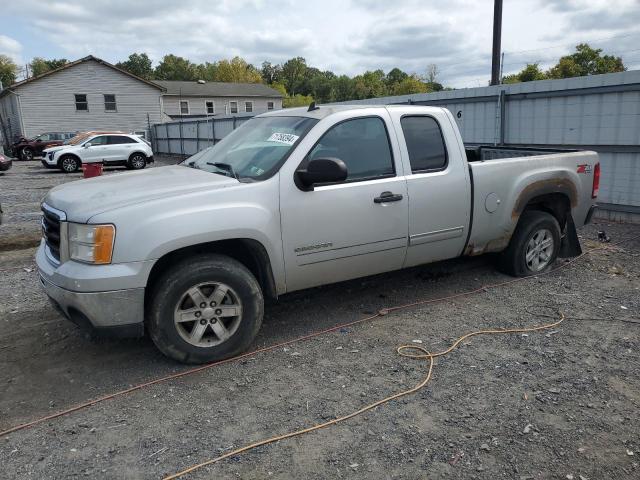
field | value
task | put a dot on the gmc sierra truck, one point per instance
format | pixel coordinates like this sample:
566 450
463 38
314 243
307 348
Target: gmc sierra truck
294 199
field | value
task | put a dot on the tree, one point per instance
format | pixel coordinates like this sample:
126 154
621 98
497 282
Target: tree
236 70
40 65
293 73
411 84
343 88
207 71
586 61
394 77
173 67
528 74
8 71
297 101
432 73
370 85
271 73
138 64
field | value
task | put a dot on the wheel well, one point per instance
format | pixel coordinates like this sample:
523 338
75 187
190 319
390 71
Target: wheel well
136 153
249 252
556 204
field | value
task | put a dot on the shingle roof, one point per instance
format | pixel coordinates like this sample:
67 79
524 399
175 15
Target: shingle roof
218 89
72 64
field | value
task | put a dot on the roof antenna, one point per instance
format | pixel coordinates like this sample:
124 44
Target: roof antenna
313 107
411 102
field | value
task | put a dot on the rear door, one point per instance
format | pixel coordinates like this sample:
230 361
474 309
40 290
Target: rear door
119 147
438 184
345 230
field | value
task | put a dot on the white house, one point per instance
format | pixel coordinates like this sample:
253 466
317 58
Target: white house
200 99
88 94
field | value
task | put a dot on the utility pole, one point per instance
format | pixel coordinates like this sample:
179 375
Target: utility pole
497 34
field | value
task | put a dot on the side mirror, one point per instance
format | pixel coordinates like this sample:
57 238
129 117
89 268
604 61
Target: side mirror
322 170
87 145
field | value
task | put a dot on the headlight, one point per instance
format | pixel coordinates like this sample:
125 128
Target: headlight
91 243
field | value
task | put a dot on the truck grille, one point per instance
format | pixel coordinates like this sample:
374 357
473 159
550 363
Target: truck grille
51 232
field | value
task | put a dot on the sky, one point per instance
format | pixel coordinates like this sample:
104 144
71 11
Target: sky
344 36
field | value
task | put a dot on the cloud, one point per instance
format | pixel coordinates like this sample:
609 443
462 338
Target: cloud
11 48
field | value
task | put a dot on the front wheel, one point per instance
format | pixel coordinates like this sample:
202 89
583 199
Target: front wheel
204 309
69 164
534 246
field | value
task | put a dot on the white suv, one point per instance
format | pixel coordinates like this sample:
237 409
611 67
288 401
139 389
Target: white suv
110 149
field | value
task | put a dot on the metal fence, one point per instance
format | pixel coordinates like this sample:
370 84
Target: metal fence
190 136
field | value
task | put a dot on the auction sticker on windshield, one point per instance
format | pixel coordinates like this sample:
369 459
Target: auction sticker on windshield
286 138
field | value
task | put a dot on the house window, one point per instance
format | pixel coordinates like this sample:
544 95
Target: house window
184 107
269 105
210 108
109 103
248 107
81 102
233 107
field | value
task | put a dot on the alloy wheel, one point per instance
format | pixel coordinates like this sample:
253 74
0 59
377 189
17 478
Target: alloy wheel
539 250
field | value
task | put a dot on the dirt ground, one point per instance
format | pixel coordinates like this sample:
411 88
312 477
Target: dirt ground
557 404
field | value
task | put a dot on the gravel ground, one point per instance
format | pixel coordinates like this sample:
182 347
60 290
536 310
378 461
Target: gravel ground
558 404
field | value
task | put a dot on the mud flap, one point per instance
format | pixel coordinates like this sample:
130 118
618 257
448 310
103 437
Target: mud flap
570 245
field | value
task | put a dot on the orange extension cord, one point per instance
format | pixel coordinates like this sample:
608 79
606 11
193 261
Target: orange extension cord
380 313
424 354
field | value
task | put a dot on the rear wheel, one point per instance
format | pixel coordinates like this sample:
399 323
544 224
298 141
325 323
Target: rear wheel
27 153
69 164
137 161
204 309
534 246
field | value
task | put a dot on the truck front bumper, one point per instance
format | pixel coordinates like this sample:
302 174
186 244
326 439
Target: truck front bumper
114 313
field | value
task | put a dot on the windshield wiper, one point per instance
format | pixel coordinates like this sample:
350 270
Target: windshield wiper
226 167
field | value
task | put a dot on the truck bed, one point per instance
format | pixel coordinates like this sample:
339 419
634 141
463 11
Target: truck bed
481 153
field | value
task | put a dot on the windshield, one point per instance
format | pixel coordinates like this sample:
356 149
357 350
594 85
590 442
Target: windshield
255 150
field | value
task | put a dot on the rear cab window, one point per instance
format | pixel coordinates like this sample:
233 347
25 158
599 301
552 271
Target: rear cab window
425 143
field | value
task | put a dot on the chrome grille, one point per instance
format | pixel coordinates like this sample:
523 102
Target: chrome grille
51 232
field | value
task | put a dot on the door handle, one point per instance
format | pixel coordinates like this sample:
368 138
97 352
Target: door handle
388 197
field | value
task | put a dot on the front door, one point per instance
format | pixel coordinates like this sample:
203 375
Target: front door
97 151
354 228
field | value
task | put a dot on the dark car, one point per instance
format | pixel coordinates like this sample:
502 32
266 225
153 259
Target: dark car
26 149
5 163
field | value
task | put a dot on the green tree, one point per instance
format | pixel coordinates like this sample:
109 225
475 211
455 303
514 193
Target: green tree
173 67
39 65
297 101
528 74
293 74
138 64
8 71
236 70
271 73
586 61
207 71
343 88
394 77
370 85
411 84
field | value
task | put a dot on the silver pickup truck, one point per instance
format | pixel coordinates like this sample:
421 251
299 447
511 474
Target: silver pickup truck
294 199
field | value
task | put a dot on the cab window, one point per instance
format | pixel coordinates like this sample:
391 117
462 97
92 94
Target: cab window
362 144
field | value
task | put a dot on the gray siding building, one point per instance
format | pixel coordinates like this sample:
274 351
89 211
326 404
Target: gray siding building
207 99
88 94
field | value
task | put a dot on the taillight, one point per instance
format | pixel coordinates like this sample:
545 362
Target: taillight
596 181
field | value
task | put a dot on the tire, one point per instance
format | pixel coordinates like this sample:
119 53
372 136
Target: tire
69 164
186 331
534 245
27 154
137 161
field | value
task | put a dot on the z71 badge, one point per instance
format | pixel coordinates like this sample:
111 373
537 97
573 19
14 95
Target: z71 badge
584 168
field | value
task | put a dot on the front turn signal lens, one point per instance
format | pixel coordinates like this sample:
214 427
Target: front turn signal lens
91 243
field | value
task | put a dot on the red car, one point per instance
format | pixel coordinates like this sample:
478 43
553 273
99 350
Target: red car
26 149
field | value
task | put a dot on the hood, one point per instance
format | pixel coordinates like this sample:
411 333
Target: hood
83 199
